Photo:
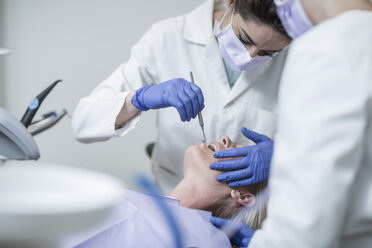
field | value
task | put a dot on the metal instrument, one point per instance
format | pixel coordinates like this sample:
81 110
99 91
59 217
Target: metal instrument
49 120
200 116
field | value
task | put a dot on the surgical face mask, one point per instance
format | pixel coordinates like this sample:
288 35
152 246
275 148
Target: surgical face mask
232 49
293 17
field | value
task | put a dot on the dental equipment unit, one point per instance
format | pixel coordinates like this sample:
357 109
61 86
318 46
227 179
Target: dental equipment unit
42 203
35 104
16 142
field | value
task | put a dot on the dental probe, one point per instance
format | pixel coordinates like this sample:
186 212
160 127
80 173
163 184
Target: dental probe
200 117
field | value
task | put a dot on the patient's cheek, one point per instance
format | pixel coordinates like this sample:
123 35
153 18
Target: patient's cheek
191 158
191 153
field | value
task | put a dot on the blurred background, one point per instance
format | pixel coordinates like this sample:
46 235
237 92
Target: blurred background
81 42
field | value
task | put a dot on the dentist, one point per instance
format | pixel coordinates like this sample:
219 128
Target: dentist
231 46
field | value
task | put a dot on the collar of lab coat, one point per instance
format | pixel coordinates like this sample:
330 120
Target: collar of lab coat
199 23
198 29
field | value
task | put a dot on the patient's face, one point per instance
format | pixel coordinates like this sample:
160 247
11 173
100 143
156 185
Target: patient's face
199 157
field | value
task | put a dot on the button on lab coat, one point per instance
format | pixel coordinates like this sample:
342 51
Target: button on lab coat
171 49
321 177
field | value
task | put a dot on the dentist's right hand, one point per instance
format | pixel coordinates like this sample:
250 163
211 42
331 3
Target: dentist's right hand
185 96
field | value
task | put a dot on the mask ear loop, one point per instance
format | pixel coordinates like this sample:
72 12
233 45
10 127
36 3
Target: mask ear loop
224 15
232 15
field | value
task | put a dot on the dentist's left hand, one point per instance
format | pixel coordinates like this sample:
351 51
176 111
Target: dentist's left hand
252 168
242 235
185 96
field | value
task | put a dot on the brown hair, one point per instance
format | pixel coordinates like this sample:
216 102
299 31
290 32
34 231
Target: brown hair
263 11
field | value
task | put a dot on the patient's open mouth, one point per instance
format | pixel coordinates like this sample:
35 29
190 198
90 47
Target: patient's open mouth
213 147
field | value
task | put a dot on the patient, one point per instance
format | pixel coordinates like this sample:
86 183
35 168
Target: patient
137 221
200 190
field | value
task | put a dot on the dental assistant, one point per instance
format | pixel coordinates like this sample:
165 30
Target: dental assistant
320 180
232 49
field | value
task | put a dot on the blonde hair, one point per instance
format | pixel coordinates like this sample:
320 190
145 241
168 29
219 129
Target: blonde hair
252 216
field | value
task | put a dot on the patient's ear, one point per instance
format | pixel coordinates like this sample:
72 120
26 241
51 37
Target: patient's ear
243 198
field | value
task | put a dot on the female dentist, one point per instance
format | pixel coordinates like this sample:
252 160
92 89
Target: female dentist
230 46
320 180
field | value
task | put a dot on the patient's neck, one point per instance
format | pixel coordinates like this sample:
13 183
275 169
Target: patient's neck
191 196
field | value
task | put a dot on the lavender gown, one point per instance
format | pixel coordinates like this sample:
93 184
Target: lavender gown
137 222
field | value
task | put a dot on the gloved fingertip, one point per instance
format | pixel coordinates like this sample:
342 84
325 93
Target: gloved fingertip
213 220
215 166
246 241
244 130
233 185
220 178
217 154
218 222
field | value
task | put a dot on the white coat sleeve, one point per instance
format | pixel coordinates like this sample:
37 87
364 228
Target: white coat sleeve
319 143
95 115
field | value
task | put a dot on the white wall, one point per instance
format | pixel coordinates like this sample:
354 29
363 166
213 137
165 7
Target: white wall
2 86
81 42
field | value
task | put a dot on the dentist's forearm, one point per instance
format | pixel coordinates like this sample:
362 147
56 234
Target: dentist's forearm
127 112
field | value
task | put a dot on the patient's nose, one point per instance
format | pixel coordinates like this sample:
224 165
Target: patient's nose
226 141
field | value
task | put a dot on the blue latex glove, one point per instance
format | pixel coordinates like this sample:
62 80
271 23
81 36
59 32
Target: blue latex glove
186 97
242 234
253 168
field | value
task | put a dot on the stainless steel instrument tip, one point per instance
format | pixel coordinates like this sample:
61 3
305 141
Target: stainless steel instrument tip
200 116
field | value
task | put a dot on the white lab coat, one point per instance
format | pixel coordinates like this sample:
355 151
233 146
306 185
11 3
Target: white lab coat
171 49
321 177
